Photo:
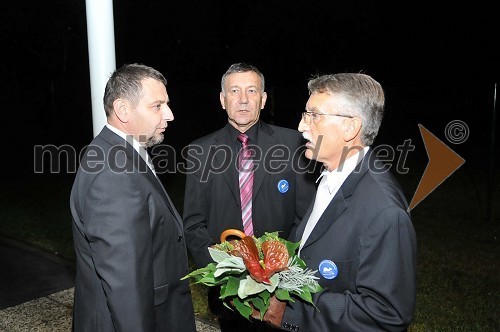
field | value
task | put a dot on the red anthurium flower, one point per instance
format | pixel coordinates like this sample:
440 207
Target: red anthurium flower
275 258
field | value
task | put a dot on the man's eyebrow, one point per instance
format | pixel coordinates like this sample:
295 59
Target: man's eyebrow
312 109
239 87
160 101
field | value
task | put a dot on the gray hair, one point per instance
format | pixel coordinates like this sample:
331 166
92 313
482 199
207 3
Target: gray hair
126 82
364 96
242 68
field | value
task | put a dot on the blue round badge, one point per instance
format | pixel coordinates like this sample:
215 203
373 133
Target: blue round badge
328 269
283 186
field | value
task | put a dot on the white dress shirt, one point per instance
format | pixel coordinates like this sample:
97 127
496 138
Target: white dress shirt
327 188
137 146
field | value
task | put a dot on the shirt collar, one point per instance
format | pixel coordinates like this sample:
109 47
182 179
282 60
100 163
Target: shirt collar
335 178
251 132
131 140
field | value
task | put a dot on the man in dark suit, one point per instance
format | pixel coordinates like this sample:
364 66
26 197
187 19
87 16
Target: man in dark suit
128 236
282 185
357 232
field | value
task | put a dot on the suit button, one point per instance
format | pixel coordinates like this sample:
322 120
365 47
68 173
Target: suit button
179 238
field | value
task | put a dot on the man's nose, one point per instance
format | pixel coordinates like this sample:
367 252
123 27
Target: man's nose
243 98
302 125
167 114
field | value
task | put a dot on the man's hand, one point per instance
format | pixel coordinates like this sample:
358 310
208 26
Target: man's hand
274 314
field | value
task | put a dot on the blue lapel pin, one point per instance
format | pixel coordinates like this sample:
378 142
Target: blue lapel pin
328 269
283 186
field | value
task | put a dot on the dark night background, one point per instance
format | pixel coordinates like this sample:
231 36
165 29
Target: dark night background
436 61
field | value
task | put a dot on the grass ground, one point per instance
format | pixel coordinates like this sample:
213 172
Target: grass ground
458 248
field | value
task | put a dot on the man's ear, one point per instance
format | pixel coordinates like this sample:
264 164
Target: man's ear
222 101
352 129
264 98
120 108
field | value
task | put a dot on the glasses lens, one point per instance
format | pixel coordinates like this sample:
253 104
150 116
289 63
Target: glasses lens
314 116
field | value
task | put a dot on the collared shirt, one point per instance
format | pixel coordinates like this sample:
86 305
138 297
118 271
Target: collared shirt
327 189
252 133
137 146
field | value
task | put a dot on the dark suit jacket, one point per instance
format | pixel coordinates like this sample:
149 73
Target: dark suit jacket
130 253
212 199
367 232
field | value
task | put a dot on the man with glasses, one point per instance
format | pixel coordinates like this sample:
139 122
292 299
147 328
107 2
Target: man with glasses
357 232
267 193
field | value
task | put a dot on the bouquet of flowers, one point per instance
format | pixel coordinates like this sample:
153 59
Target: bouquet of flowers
250 270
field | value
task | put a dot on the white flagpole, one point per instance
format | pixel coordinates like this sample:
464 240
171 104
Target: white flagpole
101 45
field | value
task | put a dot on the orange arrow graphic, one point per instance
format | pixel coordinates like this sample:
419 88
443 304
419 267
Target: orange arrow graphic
443 161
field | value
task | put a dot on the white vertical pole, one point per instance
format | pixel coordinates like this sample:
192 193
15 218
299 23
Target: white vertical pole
101 45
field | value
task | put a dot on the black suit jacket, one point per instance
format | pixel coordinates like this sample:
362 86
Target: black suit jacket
367 232
212 199
130 253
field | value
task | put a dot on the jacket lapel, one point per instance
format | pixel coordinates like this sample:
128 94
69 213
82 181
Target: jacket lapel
139 166
223 141
332 212
302 225
338 204
156 183
265 141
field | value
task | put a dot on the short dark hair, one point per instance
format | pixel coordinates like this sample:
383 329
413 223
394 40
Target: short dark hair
126 82
242 67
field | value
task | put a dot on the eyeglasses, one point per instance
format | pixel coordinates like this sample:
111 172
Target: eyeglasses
316 117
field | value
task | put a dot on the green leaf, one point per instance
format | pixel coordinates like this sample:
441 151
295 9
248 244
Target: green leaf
296 260
306 296
313 287
209 281
275 280
250 287
260 305
222 271
232 265
283 295
218 255
200 272
243 308
230 288
269 236
265 296
291 247
241 288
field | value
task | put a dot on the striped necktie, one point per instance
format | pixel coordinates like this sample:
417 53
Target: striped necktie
245 168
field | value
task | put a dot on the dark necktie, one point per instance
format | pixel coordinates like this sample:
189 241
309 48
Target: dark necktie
245 168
